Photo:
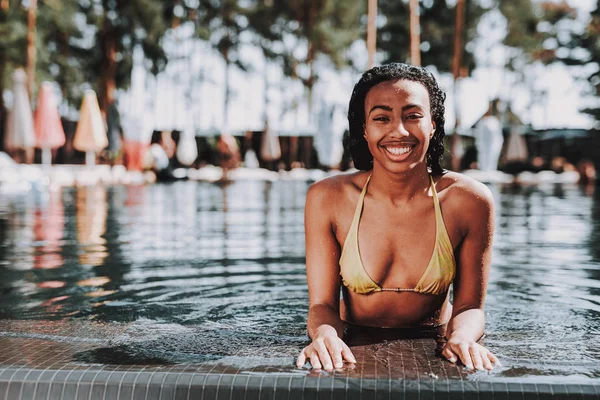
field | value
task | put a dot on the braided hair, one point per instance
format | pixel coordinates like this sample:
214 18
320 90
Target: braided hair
363 159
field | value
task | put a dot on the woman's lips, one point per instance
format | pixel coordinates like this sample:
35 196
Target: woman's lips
398 152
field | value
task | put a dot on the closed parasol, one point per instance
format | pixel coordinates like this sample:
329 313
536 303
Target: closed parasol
90 135
49 132
19 125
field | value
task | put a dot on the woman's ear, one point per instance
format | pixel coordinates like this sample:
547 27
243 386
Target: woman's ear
365 131
433 126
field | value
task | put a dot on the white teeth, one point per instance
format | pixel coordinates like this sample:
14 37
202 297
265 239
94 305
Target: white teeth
398 150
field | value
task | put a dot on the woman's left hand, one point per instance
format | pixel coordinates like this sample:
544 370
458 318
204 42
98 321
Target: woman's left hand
470 353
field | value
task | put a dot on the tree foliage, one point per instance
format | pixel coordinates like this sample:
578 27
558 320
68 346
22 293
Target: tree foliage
119 26
437 20
84 43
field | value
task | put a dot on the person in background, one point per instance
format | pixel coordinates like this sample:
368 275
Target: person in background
160 154
113 154
489 139
228 153
587 172
380 234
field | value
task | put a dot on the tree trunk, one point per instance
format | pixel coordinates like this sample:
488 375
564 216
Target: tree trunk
226 126
372 32
311 55
266 92
2 108
31 51
108 83
455 143
415 33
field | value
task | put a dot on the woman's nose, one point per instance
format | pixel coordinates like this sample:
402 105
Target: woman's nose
399 130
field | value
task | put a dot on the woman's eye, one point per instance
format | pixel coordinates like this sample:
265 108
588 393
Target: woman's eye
413 116
380 119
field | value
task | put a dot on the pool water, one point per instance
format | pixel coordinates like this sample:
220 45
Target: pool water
195 272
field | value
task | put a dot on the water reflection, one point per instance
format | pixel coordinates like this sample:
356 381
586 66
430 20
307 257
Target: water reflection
543 297
48 229
229 260
91 212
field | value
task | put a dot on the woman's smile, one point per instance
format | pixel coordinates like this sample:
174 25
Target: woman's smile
398 152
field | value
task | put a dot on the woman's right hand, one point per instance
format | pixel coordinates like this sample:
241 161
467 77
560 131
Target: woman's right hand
327 351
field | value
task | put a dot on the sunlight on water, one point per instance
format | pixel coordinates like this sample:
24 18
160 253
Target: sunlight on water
203 270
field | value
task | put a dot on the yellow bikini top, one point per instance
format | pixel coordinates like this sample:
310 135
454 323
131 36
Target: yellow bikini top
435 280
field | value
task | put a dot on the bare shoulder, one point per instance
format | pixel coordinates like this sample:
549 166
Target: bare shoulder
333 190
464 192
336 185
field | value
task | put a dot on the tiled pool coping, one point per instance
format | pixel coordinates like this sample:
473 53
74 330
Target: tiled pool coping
96 383
43 360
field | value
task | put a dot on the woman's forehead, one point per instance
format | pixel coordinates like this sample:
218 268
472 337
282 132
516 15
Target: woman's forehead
400 91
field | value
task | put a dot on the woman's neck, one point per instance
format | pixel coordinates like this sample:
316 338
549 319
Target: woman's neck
399 187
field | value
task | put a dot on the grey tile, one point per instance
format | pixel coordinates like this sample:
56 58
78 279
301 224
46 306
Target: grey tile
56 389
28 389
182 386
111 391
97 390
125 391
68 391
575 392
225 387
41 391
239 385
14 390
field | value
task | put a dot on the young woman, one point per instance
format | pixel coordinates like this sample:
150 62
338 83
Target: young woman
395 235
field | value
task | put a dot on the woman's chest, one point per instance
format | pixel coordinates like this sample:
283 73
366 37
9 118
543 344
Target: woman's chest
395 245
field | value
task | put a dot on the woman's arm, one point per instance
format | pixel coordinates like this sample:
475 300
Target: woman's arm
473 266
325 326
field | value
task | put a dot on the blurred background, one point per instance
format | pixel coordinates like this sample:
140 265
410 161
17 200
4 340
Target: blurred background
253 95
267 82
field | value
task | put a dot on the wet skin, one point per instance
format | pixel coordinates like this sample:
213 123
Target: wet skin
396 237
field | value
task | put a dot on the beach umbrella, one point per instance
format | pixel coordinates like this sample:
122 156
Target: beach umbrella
19 125
516 148
270 150
90 135
49 132
187 151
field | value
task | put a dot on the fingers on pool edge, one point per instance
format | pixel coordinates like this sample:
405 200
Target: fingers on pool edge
449 354
301 359
477 355
465 355
487 361
347 354
314 361
495 360
324 356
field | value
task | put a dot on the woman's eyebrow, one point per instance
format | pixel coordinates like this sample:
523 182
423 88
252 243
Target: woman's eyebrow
409 106
386 108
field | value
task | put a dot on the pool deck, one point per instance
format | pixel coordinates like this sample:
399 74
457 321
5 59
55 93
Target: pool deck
22 177
59 360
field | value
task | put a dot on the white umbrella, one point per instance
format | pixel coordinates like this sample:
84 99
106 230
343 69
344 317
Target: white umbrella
19 125
187 152
270 150
90 135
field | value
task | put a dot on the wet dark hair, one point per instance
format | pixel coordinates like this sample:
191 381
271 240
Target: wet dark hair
363 159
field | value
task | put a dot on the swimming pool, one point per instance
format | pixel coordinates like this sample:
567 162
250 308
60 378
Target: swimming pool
191 288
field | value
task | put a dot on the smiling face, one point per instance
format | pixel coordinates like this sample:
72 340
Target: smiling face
398 124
